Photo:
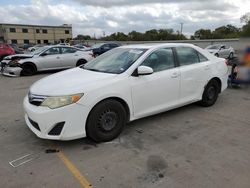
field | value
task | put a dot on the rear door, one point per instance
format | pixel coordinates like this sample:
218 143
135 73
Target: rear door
159 91
69 57
195 70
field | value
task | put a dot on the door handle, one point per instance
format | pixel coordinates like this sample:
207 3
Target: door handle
174 75
207 67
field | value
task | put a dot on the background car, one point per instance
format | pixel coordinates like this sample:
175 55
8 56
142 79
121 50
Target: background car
64 44
51 58
27 46
221 50
100 48
5 50
17 49
33 48
82 46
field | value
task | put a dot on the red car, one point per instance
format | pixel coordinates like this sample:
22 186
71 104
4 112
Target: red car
6 50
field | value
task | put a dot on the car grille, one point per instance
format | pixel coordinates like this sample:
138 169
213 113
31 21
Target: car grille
36 99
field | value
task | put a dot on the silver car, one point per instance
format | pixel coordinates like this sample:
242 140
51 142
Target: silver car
221 50
48 58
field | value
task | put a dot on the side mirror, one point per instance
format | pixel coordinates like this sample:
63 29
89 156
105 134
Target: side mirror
144 70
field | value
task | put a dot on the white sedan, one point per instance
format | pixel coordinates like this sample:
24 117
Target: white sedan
122 85
221 50
46 58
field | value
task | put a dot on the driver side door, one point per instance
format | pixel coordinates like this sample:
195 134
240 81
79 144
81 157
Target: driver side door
50 59
158 91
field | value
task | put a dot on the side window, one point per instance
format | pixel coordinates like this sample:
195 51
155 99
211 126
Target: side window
106 47
52 51
187 56
113 45
68 50
160 60
202 58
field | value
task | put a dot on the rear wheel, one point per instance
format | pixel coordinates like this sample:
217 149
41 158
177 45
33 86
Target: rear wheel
81 62
210 93
28 70
106 121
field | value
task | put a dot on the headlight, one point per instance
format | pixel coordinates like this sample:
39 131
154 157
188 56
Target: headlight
57 102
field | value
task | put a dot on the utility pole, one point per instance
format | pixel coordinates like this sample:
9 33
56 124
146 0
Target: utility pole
181 27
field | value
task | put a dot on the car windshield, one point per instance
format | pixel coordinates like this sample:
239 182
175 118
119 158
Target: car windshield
214 47
39 50
115 61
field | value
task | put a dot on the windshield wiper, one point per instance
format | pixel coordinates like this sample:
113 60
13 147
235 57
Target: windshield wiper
96 70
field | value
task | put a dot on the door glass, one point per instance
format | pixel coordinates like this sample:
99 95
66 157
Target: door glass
52 51
187 56
106 47
66 50
160 60
202 57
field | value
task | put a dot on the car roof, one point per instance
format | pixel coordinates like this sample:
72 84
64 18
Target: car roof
156 45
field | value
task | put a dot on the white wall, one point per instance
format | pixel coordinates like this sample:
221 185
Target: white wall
237 44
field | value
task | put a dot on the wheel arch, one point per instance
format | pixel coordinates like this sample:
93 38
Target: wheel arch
29 63
218 80
120 100
79 60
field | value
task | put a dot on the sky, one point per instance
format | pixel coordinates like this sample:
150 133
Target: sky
99 17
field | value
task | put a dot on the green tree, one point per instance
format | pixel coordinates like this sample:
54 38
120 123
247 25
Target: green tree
246 28
203 34
228 31
82 37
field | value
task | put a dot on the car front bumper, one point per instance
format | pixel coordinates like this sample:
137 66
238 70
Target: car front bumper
41 120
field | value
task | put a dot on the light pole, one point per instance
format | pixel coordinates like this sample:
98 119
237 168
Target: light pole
181 27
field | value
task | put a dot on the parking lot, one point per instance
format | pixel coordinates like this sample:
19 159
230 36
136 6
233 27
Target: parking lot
188 147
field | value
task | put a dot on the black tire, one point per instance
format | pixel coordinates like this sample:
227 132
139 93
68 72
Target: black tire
106 121
28 70
3 56
210 94
217 55
81 62
231 55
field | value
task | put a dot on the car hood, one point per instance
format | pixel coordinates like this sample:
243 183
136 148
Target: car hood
72 81
21 56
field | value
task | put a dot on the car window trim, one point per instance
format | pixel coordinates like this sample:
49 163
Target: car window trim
196 52
52 54
135 74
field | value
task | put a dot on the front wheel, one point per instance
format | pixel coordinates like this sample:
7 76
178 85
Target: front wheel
28 70
106 121
210 94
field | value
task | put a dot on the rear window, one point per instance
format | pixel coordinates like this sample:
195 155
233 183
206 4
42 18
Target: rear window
188 56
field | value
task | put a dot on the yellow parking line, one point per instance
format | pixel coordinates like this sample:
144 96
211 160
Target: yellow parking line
72 168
